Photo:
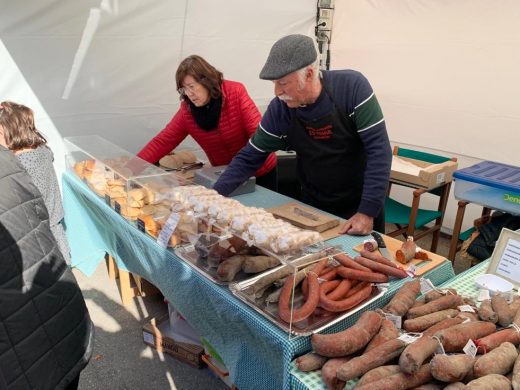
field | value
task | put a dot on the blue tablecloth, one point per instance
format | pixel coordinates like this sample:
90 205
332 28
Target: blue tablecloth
256 352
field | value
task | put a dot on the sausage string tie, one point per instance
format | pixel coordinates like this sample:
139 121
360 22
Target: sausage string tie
440 344
482 347
515 327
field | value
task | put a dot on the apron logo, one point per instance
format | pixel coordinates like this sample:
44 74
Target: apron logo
324 132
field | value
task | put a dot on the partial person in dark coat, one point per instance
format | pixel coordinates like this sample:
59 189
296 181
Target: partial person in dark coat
46 335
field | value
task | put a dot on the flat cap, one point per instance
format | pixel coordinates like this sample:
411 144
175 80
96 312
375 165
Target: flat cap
288 54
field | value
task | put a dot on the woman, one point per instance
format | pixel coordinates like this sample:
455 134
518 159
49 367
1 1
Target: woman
217 113
19 134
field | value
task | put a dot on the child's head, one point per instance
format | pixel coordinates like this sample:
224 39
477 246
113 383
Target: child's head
17 130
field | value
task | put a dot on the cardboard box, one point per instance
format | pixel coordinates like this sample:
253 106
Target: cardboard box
421 173
157 333
219 371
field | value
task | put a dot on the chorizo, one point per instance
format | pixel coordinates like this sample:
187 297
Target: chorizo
383 268
373 277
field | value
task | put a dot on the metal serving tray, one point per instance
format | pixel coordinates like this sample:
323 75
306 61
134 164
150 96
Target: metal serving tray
192 258
311 325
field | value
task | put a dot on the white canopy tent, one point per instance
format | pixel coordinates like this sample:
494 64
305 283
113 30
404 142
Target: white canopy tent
444 72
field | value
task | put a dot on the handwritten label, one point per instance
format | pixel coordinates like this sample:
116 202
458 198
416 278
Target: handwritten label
470 349
396 320
509 263
168 229
466 308
426 285
483 295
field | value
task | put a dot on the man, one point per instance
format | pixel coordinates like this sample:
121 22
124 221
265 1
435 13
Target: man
46 335
334 123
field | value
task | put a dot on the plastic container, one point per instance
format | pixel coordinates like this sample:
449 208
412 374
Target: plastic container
490 184
493 283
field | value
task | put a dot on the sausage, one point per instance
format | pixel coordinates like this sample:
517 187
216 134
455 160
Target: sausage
383 268
374 358
328 373
489 342
350 340
370 245
451 368
335 289
378 373
227 270
455 338
406 253
284 304
310 362
328 273
446 302
416 353
377 257
418 324
346 303
373 277
486 312
499 361
256 264
404 299
347 261
400 380
501 307
388 331
444 324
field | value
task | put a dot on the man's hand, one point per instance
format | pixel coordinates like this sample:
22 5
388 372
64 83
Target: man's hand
358 225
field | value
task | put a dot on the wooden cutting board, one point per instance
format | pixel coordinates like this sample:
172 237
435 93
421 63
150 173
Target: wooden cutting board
422 266
304 217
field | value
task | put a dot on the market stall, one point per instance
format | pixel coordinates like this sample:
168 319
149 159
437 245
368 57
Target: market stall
255 350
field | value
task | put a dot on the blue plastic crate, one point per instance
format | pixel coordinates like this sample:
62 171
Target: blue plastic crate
490 184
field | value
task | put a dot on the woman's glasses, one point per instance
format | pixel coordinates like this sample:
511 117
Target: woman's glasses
189 88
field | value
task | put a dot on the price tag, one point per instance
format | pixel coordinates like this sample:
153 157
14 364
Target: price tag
426 285
117 207
466 308
382 285
411 271
409 338
148 338
470 349
396 320
168 229
483 294
140 225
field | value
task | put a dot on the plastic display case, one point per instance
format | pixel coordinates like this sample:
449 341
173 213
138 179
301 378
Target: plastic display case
490 184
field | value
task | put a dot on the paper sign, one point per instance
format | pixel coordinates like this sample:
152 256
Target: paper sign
509 263
396 320
426 285
470 349
409 338
168 229
483 295
466 308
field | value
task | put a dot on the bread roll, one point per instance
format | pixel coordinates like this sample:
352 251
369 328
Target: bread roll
171 161
187 157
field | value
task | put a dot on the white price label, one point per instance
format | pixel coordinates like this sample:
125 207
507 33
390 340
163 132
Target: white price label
426 286
466 308
483 294
382 285
148 338
168 229
396 320
470 348
409 338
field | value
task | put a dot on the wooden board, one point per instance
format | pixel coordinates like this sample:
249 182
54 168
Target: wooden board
422 266
304 217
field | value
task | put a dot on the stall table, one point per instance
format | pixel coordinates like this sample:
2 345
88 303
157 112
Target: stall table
463 283
257 352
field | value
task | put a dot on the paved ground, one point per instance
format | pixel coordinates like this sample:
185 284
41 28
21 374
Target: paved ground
122 361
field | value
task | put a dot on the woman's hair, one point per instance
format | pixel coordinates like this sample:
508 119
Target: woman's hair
17 121
204 73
